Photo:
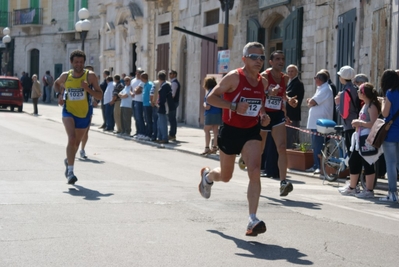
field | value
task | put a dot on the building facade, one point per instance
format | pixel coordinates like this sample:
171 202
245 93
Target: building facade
186 35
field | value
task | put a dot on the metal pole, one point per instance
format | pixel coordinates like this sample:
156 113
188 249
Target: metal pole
226 26
83 37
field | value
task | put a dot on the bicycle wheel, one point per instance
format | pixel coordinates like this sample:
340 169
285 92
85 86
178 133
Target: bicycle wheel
330 160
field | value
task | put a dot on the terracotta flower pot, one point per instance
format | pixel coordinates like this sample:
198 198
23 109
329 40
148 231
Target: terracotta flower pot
298 160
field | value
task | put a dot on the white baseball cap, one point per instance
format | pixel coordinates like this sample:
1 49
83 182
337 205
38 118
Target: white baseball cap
347 73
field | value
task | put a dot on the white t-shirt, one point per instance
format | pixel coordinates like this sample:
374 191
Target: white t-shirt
108 92
139 97
324 108
134 83
126 102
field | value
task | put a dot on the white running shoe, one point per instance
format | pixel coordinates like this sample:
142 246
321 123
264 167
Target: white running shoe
346 186
204 187
365 194
391 197
83 154
348 191
255 227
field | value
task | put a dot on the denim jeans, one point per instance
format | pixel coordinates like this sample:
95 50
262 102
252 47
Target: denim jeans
172 122
317 146
109 117
48 93
163 127
154 123
148 120
391 154
138 116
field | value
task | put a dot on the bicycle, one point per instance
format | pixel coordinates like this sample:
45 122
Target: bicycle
334 155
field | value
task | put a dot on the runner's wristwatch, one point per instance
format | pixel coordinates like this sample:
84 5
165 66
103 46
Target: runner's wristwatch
233 106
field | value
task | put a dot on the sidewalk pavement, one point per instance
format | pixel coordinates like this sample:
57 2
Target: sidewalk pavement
189 139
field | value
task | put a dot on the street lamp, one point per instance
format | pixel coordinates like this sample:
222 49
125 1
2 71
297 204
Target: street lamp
83 25
6 40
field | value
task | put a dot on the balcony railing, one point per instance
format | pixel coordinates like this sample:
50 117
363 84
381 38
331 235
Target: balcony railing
28 16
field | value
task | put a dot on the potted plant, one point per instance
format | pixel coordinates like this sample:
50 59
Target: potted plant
301 157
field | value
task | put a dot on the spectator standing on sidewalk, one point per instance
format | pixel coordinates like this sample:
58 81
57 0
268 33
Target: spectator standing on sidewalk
49 80
390 105
117 103
348 103
241 94
147 108
165 99
367 116
36 93
172 113
134 84
295 89
126 107
213 118
103 87
154 103
109 105
320 107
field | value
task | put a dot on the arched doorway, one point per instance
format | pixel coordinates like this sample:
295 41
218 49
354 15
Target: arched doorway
34 62
276 36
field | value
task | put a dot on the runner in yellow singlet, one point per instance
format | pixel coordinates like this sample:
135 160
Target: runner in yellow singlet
72 88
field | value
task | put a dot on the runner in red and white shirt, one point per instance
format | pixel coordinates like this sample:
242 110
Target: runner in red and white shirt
241 95
275 108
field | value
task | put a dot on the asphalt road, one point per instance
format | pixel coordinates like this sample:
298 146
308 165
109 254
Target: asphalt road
138 205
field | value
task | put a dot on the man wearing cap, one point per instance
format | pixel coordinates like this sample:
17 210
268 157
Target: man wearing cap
347 101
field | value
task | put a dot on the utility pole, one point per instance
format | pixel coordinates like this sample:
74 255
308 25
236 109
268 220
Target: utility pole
226 6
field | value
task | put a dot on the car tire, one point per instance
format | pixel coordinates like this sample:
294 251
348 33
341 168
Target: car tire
20 108
12 108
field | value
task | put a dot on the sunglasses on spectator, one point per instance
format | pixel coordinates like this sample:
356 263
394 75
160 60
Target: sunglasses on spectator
256 57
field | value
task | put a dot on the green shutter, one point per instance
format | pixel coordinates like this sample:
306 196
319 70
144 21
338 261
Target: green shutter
4 13
292 38
34 3
71 15
84 3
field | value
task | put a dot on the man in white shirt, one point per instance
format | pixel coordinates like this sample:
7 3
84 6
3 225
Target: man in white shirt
134 84
109 107
321 106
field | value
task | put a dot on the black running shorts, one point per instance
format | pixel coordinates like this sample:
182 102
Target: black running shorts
231 139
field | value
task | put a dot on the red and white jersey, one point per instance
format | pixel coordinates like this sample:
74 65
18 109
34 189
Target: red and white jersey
275 103
245 92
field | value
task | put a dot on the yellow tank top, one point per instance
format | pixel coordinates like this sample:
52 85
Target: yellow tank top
76 98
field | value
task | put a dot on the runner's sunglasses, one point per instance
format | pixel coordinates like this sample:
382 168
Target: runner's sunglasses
256 56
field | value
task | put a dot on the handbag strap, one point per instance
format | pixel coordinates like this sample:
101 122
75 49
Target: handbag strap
393 118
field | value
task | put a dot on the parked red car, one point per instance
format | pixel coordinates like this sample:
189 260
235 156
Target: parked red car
11 94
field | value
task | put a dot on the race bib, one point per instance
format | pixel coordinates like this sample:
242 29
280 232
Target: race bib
255 105
274 102
75 94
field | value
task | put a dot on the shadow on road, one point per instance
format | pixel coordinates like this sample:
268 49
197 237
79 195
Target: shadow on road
264 251
91 160
293 203
88 194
